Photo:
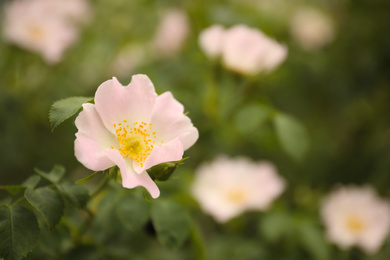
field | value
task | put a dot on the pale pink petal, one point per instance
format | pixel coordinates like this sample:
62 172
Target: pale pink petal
172 123
225 188
172 32
210 40
92 139
133 103
276 55
269 185
249 51
130 179
171 151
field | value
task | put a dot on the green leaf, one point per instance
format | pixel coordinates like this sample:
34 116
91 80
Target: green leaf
250 118
275 225
12 189
171 222
31 182
55 175
132 211
292 136
5 201
77 194
65 108
47 202
314 241
86 178
19 232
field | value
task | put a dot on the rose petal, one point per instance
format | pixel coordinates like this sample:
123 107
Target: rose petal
134 103
249 51
130 179
173 123
92 139
210 40
172 151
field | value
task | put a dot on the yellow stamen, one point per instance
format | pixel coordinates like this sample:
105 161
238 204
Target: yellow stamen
355 224
236 196
135 143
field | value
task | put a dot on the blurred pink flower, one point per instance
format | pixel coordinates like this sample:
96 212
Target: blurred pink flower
46 27
356 216
211 39
311 28
128 58
249 51
227 187
133 128
172 32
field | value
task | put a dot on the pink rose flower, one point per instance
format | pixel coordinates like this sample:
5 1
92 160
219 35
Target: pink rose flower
46 27
249 51
172 32
133 128
225 188
311 28
245 50
356 216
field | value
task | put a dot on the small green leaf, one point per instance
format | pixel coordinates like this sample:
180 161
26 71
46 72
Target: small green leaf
292 136
19 232
171 222
54 176
32 181
12 189
76 194
86 178
47 202
250 118
132 211
65 108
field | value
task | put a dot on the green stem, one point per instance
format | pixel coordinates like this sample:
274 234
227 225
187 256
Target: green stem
211 98
17 201
101 185
197 242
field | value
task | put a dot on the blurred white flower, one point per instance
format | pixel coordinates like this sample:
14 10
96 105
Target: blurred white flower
227 187
128 58
46 27
249 51
211 39
312 29
356 216
172 32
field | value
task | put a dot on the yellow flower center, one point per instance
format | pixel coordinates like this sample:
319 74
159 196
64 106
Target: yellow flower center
355 224
236 196
36 32
136 141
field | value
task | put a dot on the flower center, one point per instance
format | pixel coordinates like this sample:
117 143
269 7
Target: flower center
355 224
36 32
136 141
236 196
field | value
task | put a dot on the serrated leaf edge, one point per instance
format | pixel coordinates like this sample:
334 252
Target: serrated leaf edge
51 109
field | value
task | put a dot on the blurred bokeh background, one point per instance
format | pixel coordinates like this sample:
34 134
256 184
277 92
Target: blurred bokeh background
334 82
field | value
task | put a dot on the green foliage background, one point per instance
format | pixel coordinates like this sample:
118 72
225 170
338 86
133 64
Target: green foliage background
338 95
